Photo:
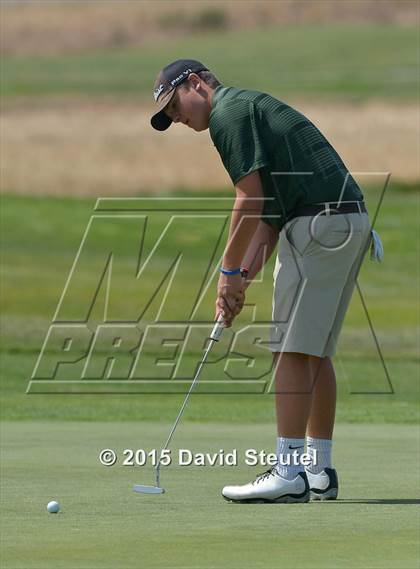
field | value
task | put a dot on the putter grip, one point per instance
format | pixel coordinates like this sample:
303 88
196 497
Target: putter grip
217 329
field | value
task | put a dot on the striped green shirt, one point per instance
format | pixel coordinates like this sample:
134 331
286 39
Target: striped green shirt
297 165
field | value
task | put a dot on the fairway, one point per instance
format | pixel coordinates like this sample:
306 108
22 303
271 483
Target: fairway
117 71
104 525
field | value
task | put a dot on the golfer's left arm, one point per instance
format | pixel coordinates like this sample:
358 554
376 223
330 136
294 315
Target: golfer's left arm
245 218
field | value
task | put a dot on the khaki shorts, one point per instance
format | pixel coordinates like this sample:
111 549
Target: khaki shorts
317 264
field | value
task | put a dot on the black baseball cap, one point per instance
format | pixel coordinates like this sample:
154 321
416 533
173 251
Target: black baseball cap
165 85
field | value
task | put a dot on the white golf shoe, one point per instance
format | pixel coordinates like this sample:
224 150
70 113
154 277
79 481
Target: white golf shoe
270 487
324 486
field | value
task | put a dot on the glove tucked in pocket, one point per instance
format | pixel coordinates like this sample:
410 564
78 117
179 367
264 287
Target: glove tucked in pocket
376 248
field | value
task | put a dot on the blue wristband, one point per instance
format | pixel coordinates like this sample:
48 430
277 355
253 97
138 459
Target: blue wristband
228 272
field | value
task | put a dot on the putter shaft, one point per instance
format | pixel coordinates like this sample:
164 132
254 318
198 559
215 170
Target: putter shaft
184 404
214 337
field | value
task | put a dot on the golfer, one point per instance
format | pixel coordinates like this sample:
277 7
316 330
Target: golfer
293 193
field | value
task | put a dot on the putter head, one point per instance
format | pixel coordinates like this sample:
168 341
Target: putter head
140 489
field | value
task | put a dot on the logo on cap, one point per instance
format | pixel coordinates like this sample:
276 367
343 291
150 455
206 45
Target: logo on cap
158 91
181 77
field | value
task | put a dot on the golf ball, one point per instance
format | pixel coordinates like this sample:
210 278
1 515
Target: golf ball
53 507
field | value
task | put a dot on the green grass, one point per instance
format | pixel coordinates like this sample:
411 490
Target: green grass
104 525
354 374
40 241
346 61
50 443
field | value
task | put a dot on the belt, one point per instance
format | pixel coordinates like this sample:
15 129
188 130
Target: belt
330 208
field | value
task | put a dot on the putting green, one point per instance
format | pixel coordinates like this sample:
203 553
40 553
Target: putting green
103 524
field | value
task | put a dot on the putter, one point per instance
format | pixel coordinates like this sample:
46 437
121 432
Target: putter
214 337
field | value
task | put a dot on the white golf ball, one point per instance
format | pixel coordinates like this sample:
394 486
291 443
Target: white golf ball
53 507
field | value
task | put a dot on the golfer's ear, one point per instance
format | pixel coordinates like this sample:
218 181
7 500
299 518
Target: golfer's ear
194 81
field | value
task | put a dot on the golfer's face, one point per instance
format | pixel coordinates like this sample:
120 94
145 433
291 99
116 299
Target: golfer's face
188 107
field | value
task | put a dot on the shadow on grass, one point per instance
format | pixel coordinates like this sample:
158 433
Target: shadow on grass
379 501
396 501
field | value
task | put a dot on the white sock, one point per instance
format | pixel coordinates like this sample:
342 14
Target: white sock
288 456
320 452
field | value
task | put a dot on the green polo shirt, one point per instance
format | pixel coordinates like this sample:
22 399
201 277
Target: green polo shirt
297 165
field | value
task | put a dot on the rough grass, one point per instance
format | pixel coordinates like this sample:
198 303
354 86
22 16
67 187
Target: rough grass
324 61
59 27
78 124
101 149
82 125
